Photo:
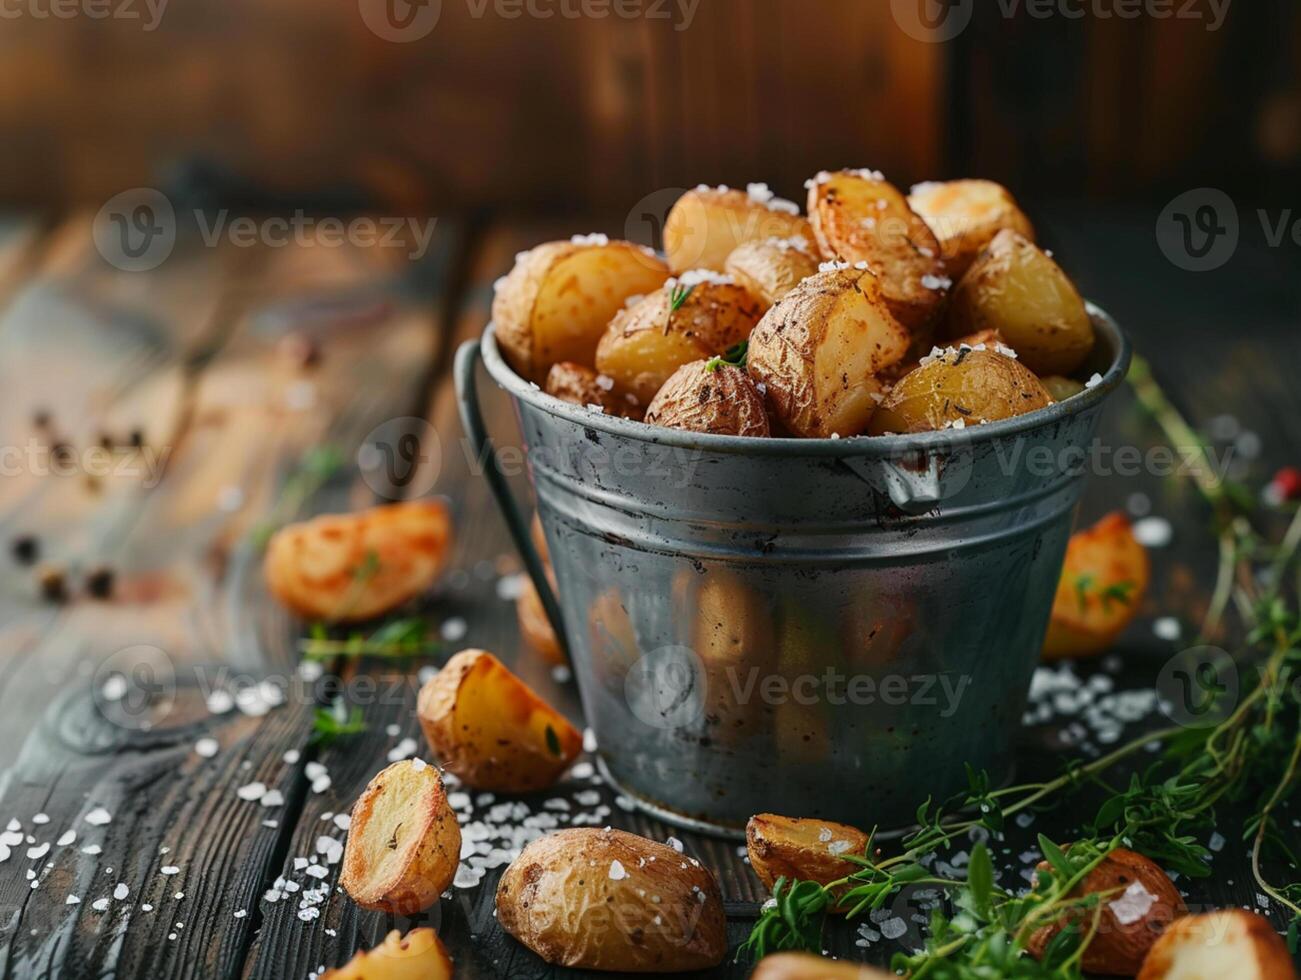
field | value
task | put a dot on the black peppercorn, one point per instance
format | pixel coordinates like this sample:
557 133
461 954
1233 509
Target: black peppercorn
26 549
99 582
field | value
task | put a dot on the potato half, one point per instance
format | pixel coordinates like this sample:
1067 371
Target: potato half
806 966
801 849
419 955
858 216
770 268
1103 583
580 385
491 730
1142 901
707 224
404 843
1016 289
965 216
688 319
608 900
959 387
351 567
555 303
1231 944
721 399
817 353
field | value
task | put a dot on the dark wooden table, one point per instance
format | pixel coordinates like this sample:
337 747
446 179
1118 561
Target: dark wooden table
191 357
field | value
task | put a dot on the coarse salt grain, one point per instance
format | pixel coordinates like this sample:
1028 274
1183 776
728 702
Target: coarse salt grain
206 747
617 871
251 791
1153 532
98 817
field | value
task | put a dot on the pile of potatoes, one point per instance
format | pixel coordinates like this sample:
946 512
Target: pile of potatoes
880 313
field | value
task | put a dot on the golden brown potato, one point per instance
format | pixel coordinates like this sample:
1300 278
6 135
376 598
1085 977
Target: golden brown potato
858 216
701 398
772 267
419 955
580 385
806 966
555 303
699 315
1016 289
1102 586
404 843
1143 903
350 567
534 626
608 900
965 216
540 539
1061 388
802 849
818 352
1232 944
707 224
491 730
958 387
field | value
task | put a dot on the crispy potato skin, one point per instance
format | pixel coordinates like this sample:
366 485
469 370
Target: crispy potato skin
965 216
1086 620
352 567
555 303
705 226
1016 289
772 267
1119 947
419 955
566 899
806 966
491 730
723 401
580 385
859 218
404 843
1231 944
818 353
647 343
970 386
793 848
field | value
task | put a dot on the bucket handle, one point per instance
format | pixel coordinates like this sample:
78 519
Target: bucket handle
467 395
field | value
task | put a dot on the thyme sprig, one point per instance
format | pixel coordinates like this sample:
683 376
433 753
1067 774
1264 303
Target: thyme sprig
399 639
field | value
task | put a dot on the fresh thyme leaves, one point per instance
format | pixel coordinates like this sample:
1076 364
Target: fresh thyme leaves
734 356
678 297
1120 593
398 639
336 721
314 470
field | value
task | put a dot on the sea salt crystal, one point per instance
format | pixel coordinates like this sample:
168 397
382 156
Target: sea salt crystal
617 871
291 757
893 928
402 750
36 853
1132 905
91 849
98 817
273 797
314 770
674 843
1167 628
1093 381
343 821
220 701
121 892
240 913
1217 842
251 791
40 819
169 870
936 282
454 629
511 587
206 747
72 900
100 905
1153 532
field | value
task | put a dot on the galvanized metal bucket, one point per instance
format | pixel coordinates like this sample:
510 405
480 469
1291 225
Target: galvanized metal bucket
829 628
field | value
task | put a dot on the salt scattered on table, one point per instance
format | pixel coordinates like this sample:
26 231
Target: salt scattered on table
1153 532
251 791
206 747
98 817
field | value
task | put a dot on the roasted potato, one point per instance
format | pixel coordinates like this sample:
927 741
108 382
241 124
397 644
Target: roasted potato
350 567
707 224
1016 289
699 315
858 216
957 387
1103 583
419 955
607 900
708 396
404 843
817 353
1232 944
1142 902
965 216
580 385
802 849
1061 388
806 966
555 303
490 729
534 626
772 267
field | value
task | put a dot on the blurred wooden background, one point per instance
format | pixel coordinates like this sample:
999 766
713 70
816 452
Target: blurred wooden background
297 100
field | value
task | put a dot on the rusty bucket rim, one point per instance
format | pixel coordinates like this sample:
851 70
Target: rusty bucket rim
861 446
